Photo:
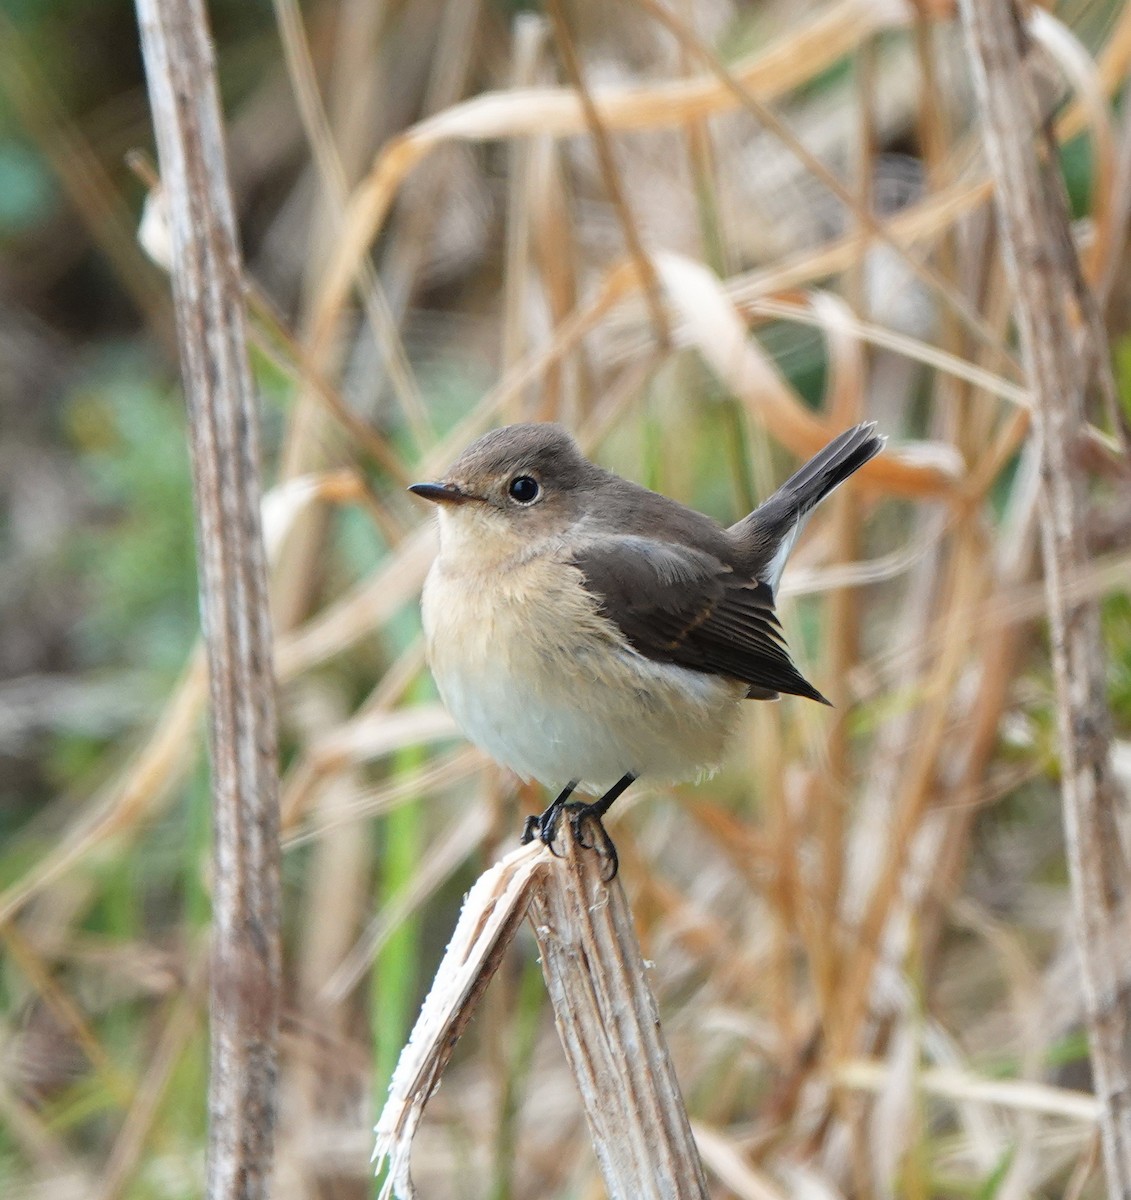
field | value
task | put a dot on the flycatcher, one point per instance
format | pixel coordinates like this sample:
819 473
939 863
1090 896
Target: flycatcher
587 632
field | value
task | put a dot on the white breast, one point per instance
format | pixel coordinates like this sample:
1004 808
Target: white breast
545 685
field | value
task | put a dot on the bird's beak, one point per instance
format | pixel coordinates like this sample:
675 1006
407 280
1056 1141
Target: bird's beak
440 493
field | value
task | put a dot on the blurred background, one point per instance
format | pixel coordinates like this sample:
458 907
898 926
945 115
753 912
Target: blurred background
768 220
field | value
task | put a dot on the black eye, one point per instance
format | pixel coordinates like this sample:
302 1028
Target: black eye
524 489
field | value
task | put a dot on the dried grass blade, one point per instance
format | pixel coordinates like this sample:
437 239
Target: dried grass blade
726 1161
283 505
900 343
268 330
928 219
953 1084
444 856
122 1164
444 771
150 776
360 611
1033 212
618 283
844 393
602 144
491 915
166 754
530 35
334 194
558 112
869 224
715 327
379 733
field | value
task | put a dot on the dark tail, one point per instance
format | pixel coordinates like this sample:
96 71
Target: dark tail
843 456
771 529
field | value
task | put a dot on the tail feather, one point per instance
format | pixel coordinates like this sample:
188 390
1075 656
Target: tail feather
842 457
770 531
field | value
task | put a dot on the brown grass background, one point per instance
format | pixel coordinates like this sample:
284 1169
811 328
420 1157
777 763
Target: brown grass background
706 236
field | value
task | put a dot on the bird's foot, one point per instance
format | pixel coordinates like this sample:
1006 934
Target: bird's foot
582 818
545 827
586 826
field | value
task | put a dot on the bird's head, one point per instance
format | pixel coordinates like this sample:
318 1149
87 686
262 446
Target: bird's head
513 489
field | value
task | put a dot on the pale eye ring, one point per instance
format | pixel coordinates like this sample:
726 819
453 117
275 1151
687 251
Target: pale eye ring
523 489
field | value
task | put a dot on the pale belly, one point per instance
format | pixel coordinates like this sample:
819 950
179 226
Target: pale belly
543 684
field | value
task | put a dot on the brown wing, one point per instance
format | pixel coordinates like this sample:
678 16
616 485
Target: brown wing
679 605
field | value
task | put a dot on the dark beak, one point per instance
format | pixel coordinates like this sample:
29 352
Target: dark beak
440 493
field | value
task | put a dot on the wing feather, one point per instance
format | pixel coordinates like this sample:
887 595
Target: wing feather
681 605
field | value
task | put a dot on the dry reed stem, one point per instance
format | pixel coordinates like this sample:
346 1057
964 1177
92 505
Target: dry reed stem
1083 73
609 172
245 975
336 898
1121 212
704 173
610 1028
455 51
304 446
913 797
605 1013
556 254
935 843
1038 253
530 34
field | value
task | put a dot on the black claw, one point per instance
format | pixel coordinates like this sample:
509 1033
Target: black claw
545 827
587 817
581 817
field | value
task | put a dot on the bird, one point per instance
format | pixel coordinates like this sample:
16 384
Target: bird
587 632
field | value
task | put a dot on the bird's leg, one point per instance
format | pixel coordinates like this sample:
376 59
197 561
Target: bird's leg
581 815
546 826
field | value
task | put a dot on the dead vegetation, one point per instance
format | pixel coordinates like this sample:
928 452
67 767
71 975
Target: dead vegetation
718 237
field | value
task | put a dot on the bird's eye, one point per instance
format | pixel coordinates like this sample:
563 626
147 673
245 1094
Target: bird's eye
524 489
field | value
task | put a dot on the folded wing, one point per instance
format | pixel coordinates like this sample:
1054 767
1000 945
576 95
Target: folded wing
680 605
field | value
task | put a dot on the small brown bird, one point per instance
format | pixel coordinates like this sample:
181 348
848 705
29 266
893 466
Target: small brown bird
585 631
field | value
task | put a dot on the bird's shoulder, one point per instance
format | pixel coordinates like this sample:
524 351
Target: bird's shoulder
623 509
